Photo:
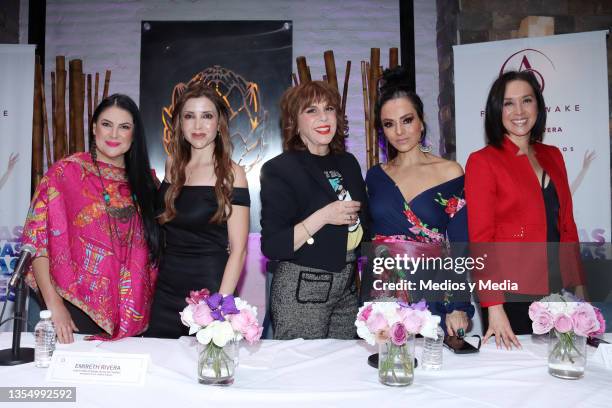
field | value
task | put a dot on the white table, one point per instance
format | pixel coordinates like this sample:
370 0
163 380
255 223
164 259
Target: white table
328 373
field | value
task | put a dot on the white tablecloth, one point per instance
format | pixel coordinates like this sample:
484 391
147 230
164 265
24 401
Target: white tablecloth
329 373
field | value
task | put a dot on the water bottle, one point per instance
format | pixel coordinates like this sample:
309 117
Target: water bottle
432 352
44 332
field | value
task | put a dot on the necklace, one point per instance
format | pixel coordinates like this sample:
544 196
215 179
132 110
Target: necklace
124 215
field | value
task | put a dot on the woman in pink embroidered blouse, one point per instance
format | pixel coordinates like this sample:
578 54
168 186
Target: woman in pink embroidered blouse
92 223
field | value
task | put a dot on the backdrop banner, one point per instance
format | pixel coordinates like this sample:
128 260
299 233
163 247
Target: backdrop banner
573 73
16 102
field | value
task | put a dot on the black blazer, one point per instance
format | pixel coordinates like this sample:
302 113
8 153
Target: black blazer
292 188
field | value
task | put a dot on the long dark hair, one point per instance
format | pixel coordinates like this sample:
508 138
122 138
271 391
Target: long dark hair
494 126
180 151
137 168
394 85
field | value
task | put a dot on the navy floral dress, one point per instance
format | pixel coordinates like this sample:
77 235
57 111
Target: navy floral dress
437 215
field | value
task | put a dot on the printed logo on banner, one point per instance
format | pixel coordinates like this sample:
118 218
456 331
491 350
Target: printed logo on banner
526 60
9 253
542 66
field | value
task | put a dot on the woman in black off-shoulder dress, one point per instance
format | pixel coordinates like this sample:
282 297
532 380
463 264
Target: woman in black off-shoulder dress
203 246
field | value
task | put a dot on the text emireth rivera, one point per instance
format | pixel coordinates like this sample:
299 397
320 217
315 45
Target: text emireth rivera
459 265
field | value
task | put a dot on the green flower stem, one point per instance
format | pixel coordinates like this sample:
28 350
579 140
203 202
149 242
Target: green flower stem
219 359
564 347
388 366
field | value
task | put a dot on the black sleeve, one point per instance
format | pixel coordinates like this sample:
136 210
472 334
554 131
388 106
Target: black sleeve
279 210
240 196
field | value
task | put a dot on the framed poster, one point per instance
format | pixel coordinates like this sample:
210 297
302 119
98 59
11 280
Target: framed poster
249 62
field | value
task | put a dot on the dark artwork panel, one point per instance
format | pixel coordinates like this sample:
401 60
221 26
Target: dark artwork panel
250 64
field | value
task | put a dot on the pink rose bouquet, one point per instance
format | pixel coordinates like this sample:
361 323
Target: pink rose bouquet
217 320
566 317
566 314
392 325
378 322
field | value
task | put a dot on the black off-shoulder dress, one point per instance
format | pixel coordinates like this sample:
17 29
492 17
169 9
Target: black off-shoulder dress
194 256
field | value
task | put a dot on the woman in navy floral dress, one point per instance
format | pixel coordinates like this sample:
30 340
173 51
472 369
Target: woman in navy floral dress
416 198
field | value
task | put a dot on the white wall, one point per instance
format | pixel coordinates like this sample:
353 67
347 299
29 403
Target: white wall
426 64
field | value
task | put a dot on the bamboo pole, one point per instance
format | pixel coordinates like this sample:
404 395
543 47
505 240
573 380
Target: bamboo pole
81 143
393 57
89 101
97 86
107 77
53 96
77 106
366 110
37 127
303 71
330 68
46 125
347 74
71 110
373 85
59 138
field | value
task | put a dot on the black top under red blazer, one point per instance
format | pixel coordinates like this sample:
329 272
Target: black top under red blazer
293 187
506 205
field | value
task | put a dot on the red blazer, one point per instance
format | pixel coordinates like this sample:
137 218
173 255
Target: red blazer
505 203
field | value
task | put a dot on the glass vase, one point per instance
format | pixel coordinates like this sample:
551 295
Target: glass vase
566 355
396 363
216 365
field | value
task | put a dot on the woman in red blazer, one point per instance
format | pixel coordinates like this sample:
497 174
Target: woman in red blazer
518 192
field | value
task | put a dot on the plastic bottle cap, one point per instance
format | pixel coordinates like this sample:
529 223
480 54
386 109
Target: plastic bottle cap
45 314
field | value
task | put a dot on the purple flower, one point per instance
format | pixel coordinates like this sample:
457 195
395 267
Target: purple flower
221 306
214 300
398 334
422 305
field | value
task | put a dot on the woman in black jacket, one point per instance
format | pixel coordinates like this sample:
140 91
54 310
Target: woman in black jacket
313 218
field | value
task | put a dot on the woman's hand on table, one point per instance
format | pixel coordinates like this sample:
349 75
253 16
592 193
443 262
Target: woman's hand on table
64 326
499 326
456 320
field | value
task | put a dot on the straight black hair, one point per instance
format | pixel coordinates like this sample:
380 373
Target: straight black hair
395 84
137 168
494 126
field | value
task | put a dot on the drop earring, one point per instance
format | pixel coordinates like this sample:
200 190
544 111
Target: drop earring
422 146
